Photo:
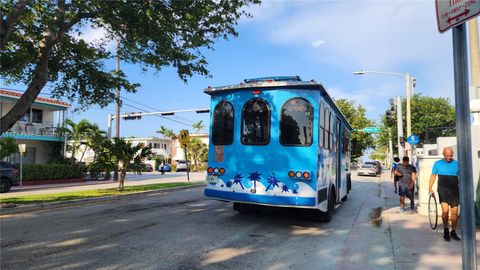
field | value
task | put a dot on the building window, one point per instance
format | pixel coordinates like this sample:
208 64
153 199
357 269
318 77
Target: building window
37 116
296 123
256 122
222 127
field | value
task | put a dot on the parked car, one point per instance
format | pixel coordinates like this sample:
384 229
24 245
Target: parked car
376 165
183 165
367 169
147 167
8 176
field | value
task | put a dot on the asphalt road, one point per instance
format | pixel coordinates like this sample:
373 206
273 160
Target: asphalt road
183 230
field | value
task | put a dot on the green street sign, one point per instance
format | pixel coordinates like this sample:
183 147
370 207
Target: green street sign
371 129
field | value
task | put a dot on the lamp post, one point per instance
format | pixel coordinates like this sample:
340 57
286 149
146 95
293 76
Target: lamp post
22 149
408 82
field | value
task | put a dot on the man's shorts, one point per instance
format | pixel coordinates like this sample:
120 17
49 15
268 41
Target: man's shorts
396 178
404 190
448 190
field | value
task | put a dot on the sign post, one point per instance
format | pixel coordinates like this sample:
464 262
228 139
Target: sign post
453 13
184 139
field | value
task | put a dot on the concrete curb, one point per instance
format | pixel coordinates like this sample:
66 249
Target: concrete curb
58 205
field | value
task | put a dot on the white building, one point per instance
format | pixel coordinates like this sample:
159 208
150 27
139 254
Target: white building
179 152
160 147
37 128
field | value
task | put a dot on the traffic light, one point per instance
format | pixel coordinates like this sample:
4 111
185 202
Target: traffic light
133 117
390 113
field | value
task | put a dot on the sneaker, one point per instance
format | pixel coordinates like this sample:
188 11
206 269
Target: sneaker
402 210
454 236
412 206
446 235
396 190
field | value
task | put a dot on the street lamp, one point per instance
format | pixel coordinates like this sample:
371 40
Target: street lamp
408 86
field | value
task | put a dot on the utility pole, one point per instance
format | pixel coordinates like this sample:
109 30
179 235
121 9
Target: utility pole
117 99
409 121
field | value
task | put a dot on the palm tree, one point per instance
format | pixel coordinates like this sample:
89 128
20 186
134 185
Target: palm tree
172 136
198 126
94 139
128 158
164 131
76 132
8 146
197 151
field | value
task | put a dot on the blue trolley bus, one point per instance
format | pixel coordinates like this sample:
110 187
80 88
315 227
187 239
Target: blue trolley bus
278 141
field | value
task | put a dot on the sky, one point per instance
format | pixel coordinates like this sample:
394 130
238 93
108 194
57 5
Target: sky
321 40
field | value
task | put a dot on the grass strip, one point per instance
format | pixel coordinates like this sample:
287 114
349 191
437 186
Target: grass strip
76 195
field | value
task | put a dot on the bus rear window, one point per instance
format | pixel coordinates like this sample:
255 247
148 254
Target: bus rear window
256 122
222 130
296 123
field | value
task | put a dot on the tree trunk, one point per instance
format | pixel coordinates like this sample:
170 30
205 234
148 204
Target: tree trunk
122 173
40 78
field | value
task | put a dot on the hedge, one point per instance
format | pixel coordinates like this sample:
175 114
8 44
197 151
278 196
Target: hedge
34 172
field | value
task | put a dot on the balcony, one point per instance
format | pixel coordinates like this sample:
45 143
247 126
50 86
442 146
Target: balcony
45 131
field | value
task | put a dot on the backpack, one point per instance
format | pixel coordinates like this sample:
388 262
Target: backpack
394 166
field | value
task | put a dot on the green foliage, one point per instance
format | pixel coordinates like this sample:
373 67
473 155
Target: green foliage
380 154
45 44
356 116
33 172
8 146
197 151
427 115
198 126
128 157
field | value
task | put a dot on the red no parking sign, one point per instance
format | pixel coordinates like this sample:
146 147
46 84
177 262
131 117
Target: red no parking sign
451 13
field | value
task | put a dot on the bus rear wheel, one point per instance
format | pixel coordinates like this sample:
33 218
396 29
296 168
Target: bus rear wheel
240 207
327 216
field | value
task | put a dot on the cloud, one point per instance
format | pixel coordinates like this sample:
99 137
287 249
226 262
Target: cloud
318 43
97 35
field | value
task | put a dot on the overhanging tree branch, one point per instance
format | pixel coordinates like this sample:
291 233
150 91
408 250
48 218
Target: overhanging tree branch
9 22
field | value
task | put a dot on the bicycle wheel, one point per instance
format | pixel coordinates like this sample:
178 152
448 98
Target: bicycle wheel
432 211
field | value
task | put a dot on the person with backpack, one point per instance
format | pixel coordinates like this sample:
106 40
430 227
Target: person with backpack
407 176
395 163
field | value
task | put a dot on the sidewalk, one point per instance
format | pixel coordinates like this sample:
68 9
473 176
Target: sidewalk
415 244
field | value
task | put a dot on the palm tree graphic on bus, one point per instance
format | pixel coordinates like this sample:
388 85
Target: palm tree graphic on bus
272 182
254 176
237 180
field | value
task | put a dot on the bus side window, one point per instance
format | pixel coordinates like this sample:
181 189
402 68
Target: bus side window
330 132
296 123
255 122
321 129
325 128
222 127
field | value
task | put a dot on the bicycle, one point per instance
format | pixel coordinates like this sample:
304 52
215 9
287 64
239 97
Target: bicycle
433 211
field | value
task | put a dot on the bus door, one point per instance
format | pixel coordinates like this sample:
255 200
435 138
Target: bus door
338 159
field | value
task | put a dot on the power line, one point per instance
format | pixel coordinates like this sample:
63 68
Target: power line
156 109
163 117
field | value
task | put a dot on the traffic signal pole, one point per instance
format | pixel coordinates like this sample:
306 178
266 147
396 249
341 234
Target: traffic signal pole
401 152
